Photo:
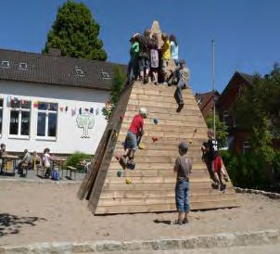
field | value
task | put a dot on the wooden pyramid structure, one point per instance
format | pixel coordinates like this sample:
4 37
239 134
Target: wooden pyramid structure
153 180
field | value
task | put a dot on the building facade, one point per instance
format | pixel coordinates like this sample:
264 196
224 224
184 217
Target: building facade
52 101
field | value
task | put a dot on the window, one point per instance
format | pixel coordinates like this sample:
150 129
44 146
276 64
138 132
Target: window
79 72
226 118
5 64
20 118
23 66
246 147
1 115
105 75
47 120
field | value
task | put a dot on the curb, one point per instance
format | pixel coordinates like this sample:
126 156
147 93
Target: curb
258 192
221 240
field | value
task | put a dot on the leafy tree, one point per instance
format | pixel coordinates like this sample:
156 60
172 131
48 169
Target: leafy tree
75 33
221 129
258 110
116 88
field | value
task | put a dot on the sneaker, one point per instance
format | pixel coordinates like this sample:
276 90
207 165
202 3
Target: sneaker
223 187
145 80
176 222
185 221
165 83
180 107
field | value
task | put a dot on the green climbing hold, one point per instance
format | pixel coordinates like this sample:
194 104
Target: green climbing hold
119 173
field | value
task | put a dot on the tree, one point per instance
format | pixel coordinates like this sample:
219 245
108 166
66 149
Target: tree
117 86
258 110
75 33
221 129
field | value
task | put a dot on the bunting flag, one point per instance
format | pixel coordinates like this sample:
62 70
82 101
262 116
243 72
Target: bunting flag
35 104
97 111
61 109
86 109
91 110
80 111
66 108
8 101
73 111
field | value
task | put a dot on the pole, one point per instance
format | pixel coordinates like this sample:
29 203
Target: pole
213 87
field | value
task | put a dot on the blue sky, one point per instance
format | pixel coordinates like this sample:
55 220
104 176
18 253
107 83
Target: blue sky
246 32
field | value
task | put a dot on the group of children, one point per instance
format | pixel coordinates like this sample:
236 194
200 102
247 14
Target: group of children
31 161
150 60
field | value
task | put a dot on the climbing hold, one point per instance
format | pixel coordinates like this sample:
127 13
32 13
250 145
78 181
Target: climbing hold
121 117
119 173
128 181
141 146
155 121
154 139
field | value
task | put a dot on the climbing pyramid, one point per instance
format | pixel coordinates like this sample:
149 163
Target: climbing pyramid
153 180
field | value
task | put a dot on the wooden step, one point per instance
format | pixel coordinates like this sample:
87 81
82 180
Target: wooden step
166 207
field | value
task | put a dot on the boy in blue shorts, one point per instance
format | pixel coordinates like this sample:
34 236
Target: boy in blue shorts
182 167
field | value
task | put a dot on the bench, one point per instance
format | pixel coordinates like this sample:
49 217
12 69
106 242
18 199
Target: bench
72 170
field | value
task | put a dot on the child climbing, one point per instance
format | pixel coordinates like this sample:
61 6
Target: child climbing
174 49
214 161
182 167
154 56
134 134
181 77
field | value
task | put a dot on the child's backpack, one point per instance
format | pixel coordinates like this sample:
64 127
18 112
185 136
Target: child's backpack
55 175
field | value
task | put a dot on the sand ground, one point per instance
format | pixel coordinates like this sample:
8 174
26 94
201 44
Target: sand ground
33 212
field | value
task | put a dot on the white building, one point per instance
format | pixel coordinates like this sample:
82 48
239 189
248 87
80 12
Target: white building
52 101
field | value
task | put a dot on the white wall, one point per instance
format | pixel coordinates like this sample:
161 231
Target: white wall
68 136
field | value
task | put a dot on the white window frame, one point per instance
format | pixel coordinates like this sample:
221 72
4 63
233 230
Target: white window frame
5 64
20 110
47 111
23 66
246 147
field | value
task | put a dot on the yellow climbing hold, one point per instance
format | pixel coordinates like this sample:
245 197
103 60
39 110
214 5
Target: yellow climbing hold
128 181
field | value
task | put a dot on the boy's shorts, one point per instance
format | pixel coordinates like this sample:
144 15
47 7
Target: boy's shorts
217 163
144 63
130 141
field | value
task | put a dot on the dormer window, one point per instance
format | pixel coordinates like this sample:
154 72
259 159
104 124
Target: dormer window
5 64
79 72
23 66
105 75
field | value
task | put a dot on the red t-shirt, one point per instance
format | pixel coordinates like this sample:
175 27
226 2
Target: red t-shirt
137 124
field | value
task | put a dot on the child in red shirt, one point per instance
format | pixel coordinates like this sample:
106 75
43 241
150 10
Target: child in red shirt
136 130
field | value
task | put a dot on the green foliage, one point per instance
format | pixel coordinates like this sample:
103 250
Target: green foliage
221 129
75 33
75 158
117 86
246 170
258 111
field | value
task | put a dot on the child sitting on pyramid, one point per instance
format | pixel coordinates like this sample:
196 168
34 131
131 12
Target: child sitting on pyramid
134 134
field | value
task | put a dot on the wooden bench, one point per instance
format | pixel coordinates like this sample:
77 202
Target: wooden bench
72 170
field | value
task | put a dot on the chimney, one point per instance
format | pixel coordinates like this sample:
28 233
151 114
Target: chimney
54 52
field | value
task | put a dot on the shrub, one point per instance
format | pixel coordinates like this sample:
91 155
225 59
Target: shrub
75 158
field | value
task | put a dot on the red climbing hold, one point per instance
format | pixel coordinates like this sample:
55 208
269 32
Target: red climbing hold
121 117
154 139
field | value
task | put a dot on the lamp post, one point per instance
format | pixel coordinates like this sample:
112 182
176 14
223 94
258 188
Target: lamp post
213 86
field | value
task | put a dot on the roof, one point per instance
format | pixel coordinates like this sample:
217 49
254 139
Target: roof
56 70
246 77
204 98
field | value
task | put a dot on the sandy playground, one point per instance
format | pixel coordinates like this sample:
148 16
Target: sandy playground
33 212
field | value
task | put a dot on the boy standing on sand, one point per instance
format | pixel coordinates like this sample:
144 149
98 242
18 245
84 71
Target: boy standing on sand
182 167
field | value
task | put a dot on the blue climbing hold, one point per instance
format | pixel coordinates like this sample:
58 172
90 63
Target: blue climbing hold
155 121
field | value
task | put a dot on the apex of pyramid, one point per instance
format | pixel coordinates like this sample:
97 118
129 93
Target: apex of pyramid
155 27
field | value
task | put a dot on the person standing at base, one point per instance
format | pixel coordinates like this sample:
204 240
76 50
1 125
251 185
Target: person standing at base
181 76
183 168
